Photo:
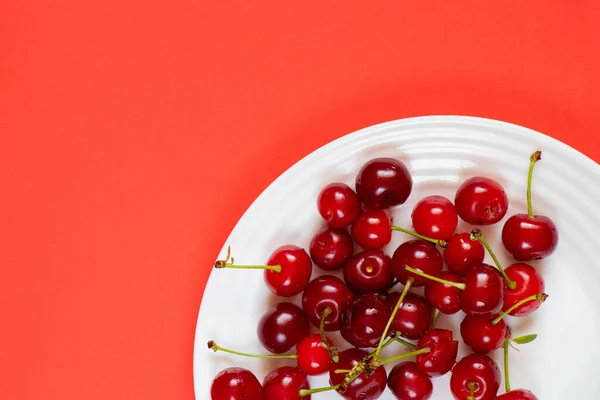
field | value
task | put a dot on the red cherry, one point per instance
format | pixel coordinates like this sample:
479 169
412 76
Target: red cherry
338 204
476 376
282 327
481 334
285 383
364 320
362 387
372 229
296 269
369 272
313 355
383 183
529 238
326 292
519 394
331 248
435 217
445 298
417 254
481 201
462 253
413 317
529 282
236 384
407 381
442 353
484 290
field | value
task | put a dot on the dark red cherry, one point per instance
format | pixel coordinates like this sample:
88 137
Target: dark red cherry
529 282
407 382
362 387
282 327
372 229
477 376
236 384
435 217
326 292
484 290
364 320
313 355
383 183
479 333
296 269
444 297
519 394
413 317
285 383
417 254
442 354
462 253
481 201
369 272
338 204
331 248
529 238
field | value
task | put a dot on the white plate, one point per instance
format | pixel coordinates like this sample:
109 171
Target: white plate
441 152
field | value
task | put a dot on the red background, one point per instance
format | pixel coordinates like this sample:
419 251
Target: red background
133 135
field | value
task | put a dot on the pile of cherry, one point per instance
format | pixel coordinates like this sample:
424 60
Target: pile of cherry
370 317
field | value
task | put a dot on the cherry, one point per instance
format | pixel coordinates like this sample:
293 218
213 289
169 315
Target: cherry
286 383
331 248
519 394
443 297
528 282
372 229
481 201
435 217
236 384
475 377
419 255
383 183
406 381
483 292
363 321
362 387
413 317
369 272
282 327
338 204
443 350
326 292
481 334
462 253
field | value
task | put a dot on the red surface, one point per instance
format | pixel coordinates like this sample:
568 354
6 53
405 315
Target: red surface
133 135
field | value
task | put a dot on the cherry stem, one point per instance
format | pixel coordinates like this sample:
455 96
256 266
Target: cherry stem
458 285
341 371
307 392
535 157
382 361
477 235
404 342
436 314
506 380
213 346
333 351
407 286
541 297
439 242
228 263
472 387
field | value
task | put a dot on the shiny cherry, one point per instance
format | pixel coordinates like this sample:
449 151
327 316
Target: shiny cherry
338 204
435 217
407 382
481 201
362 387
442 353
236 384
484 290
529 282
313 355
481 334
296 269
462 253
413 317
331 248
518 394
417 254
322 293
529 237
369 272
364 320
285 383
383 183
372 229
282 327
476 376
445 298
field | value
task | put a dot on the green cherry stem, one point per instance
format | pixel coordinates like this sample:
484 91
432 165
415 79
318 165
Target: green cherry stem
341 371
424 350
506 380
477 235
541 297
333 351
228 262
457 285
535 157
404 342
307 392
436 314
472 387
407 286
439 242
214 347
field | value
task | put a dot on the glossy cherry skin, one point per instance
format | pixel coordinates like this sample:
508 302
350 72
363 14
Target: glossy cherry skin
285 383
326 291
481 370
363 387
529 282
518 394
481 201
435 217
331 248
383 183
236 384
529 238
282 327
444 297
372 229
484 290
338 204
478 333
462 253
442 354
313 356
407 382
296 269
364 320
369 272
420 255
413 317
